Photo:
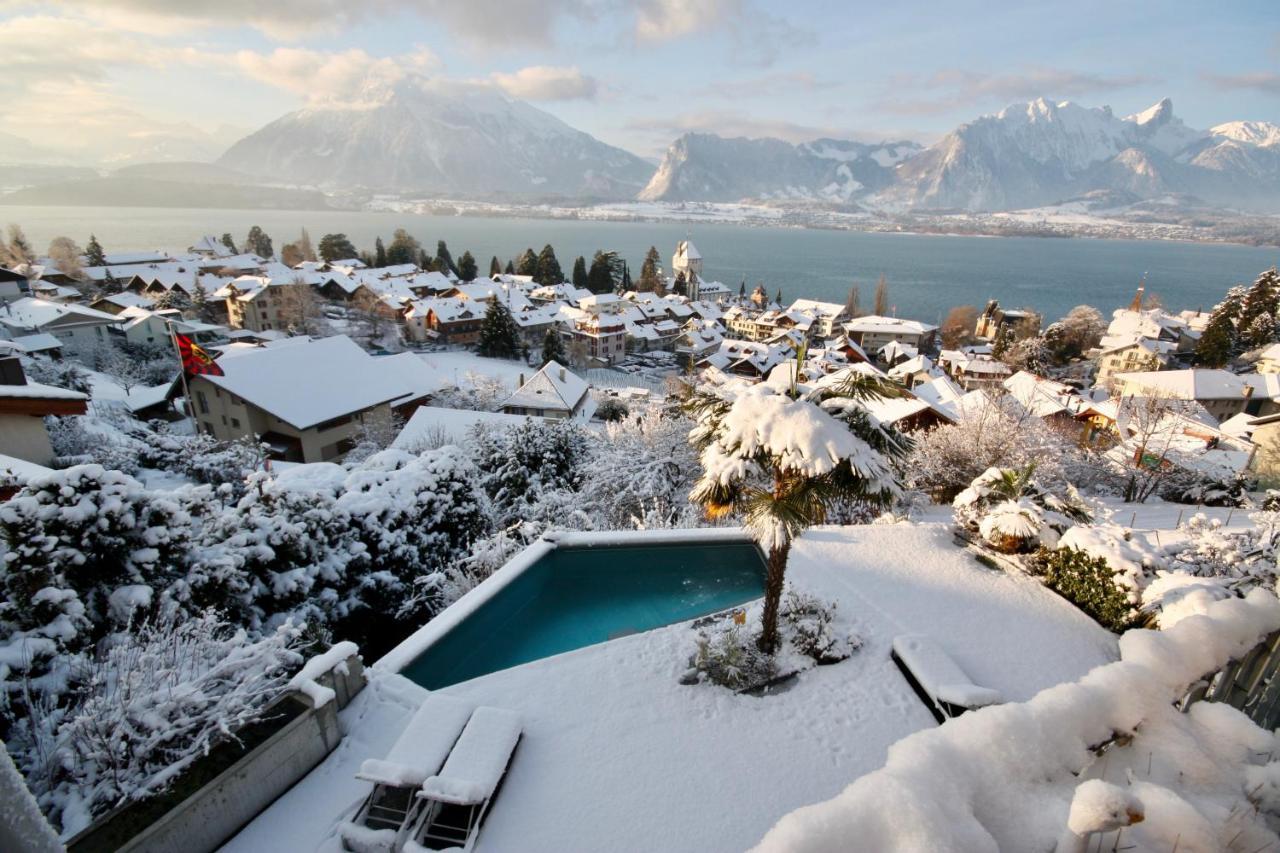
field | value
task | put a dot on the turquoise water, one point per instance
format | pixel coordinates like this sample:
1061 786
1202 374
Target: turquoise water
576 597
926 274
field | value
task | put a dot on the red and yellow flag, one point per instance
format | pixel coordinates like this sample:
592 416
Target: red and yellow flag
195 361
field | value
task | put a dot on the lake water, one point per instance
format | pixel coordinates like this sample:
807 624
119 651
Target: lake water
577 597
926 274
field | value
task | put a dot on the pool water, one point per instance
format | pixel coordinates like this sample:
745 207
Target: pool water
575 597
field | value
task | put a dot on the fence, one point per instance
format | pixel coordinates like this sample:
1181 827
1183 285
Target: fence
1248 684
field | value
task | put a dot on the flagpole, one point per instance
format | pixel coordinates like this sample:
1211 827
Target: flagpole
182 371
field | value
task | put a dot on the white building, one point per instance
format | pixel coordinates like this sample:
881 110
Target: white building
553 392
80 329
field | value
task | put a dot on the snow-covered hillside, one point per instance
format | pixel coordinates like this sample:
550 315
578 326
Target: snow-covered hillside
707 167
420 135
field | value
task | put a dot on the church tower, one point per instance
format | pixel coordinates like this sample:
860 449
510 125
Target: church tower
688 260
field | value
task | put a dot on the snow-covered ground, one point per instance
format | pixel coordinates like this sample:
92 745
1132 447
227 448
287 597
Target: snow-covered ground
458 367
617 755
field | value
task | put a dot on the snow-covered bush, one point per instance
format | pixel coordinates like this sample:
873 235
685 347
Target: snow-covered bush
73 445
1193 487
612 409
1171 597
201 457
1245 556
534 469
1013 512
153 702
730 658
60 374
1089 583
811 627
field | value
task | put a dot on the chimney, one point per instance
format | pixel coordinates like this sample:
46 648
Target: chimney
562 377
521 385
1136 304
1247 391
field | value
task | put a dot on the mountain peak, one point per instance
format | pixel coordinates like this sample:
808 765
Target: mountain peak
1154 115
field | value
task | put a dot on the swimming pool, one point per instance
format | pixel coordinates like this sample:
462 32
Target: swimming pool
569 596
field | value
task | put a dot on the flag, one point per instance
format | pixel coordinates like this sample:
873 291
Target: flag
195 361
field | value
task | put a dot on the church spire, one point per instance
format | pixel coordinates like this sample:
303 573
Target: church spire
1136 304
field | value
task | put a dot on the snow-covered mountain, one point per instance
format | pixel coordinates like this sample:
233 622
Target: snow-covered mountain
707 167
420 135
1043 152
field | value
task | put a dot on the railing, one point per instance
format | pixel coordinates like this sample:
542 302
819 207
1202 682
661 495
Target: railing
1248 684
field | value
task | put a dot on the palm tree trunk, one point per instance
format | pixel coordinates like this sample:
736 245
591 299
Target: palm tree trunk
773 597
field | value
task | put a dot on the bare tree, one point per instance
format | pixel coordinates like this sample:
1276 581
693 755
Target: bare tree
852 309
65 255
301 309
124 370
1148 428
959 327
882 298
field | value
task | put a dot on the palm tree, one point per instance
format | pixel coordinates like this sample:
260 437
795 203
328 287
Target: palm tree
785 457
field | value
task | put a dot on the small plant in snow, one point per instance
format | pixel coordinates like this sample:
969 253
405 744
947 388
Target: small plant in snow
731 658
1026 514
1015 527
810 627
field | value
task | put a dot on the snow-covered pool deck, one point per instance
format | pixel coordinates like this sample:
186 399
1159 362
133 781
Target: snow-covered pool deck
618 756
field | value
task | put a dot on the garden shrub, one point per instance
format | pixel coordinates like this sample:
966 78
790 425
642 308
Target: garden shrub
1088 583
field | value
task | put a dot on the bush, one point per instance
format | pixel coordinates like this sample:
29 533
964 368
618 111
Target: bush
612 409
1088 583
731 659
809 625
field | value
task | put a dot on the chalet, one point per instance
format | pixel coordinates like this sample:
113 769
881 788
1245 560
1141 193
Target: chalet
995 321
305 399
600 328
24 406
13 284
553 392
80 329
1133 355
443 321
827 315
260 303
1221 392
873 332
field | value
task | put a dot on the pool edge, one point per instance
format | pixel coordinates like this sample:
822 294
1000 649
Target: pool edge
417 643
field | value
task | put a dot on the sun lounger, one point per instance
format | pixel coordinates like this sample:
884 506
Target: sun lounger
937 679
419 752
457 798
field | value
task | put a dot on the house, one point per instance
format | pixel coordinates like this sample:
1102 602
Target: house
305 399
873 332
974 371
260 303
697 340
1221 392
1133 355
600 328
13 284
442 320
80 329
24 406
827 315
749 359
117 302
994 321
1265 435
1269 361
553 392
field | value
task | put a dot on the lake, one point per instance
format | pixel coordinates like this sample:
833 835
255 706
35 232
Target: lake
926 274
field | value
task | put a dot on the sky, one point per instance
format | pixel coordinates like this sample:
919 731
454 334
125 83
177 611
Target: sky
122 80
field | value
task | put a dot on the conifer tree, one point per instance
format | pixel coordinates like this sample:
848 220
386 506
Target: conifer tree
200 307
93 254
111 284
625 286
553 348
649 271
495 266
600 277
499 335
580 273
445 260
1260 301
1218 341
742 290
379 253
510 269
467 267
527 263
426 262
259 243
404 249
336 247
680 287
1004 340
778 299
19 249
548 271
230 243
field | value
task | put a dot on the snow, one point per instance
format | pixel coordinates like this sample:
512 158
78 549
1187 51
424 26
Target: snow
1002 777
21 468
938 674
478 760
308 383
656 765
36 391
306 680
423 746
1100 807
430 423
34 313
554 388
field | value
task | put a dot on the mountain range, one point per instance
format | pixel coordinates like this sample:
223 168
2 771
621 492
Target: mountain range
423 136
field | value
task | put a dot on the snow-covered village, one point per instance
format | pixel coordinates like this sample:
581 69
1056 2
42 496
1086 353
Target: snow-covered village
639 426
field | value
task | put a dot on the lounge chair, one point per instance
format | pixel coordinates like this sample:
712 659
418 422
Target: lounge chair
385 815
937 679
457 798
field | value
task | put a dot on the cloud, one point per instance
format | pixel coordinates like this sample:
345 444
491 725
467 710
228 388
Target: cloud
758 37
730 124
962 89
512 22
1267 82
323 76
547 83
765 85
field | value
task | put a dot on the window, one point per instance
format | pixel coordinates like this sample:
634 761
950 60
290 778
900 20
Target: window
203 401
208 427
224 420
235 423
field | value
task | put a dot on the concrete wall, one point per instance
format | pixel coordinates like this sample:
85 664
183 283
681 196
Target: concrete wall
24 437
208 818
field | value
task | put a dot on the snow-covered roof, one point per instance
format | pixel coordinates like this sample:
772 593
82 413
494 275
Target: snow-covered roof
41 342
1193 384
813 306
30 312
21 468
888 325
417 375
553 387
36 391
310 382
1039 396
429 423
